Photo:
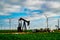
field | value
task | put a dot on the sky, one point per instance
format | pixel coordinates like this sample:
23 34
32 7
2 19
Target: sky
33 10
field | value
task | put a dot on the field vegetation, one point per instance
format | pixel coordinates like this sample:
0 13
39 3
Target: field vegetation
29 36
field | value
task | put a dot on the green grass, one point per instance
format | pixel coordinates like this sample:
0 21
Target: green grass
7 31
11 31
33 36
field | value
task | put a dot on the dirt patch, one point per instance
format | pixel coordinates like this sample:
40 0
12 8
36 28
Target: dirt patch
18 33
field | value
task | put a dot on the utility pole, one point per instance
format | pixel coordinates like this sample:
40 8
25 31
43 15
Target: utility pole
10 23
1 26
58 23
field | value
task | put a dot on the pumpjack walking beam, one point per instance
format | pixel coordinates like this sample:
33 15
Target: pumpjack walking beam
28 22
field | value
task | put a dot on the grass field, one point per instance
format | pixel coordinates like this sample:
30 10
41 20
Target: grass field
31 36
10 31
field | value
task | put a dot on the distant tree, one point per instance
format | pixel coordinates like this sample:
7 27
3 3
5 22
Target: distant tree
41 30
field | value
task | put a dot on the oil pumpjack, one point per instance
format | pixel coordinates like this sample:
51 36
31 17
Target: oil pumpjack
22 24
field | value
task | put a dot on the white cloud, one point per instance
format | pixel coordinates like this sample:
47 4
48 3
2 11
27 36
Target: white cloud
33 8
33 4
7 8
36 16
33 16
54 4
12 8
50 14
4 14
30 4
36 4
14 1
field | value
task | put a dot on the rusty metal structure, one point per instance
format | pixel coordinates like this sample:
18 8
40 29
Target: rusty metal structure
22 24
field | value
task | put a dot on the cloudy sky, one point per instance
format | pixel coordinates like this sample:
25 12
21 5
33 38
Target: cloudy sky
33 10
